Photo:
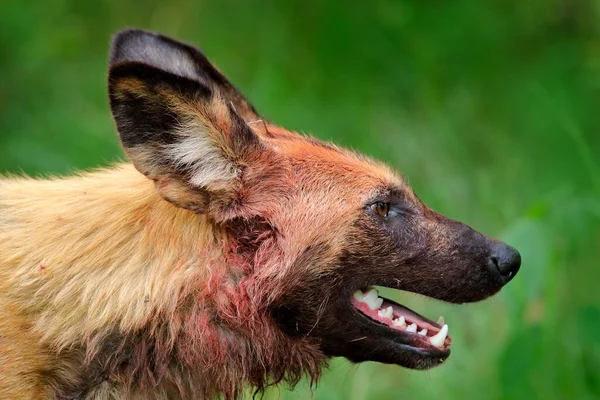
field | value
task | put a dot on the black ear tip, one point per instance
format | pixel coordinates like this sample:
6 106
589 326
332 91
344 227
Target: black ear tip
130 33
122 40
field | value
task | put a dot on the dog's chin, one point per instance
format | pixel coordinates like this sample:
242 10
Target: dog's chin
366 327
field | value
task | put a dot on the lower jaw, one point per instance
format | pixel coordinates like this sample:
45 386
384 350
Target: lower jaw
389 351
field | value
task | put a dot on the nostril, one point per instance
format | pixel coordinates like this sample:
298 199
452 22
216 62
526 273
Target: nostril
506 260
494 261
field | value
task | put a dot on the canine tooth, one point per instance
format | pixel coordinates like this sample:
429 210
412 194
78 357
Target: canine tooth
370 294
358 295
423 332
377 304
387 313
412 328
438 339
372 299
400 321
441 321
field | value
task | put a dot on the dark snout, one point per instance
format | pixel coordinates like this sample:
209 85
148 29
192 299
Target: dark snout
504 260
474 266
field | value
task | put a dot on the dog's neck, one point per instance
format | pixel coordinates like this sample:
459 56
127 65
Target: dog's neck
141 294
100 250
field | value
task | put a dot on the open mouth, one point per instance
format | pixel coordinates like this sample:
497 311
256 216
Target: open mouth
418 332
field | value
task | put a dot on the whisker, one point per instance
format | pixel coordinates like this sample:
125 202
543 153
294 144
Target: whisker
360 338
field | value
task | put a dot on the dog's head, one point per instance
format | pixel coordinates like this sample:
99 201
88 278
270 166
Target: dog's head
318 226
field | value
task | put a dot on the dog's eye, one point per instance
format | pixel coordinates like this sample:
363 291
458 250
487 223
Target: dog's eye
381 208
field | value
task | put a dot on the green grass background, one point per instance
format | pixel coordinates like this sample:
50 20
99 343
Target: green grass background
490 108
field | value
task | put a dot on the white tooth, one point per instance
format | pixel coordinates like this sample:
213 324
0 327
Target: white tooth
387 313
441 321
412 328
370 294
399 321
358 295
438 340
423 332
376 304
372 299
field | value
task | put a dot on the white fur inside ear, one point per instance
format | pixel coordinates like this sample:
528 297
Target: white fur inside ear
196 151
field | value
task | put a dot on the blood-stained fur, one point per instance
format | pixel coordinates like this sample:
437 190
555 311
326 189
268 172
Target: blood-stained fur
224 256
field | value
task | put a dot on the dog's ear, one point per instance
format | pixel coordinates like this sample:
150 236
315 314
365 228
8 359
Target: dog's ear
161 52
180 121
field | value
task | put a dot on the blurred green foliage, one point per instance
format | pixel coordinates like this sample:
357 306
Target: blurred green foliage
490 108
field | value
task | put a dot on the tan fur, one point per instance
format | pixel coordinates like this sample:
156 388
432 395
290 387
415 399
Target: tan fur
21 358
59 285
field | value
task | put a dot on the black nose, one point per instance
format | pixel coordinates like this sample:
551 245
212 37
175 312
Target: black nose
505 260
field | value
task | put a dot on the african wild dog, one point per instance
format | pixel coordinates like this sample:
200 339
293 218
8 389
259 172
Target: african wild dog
232 252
